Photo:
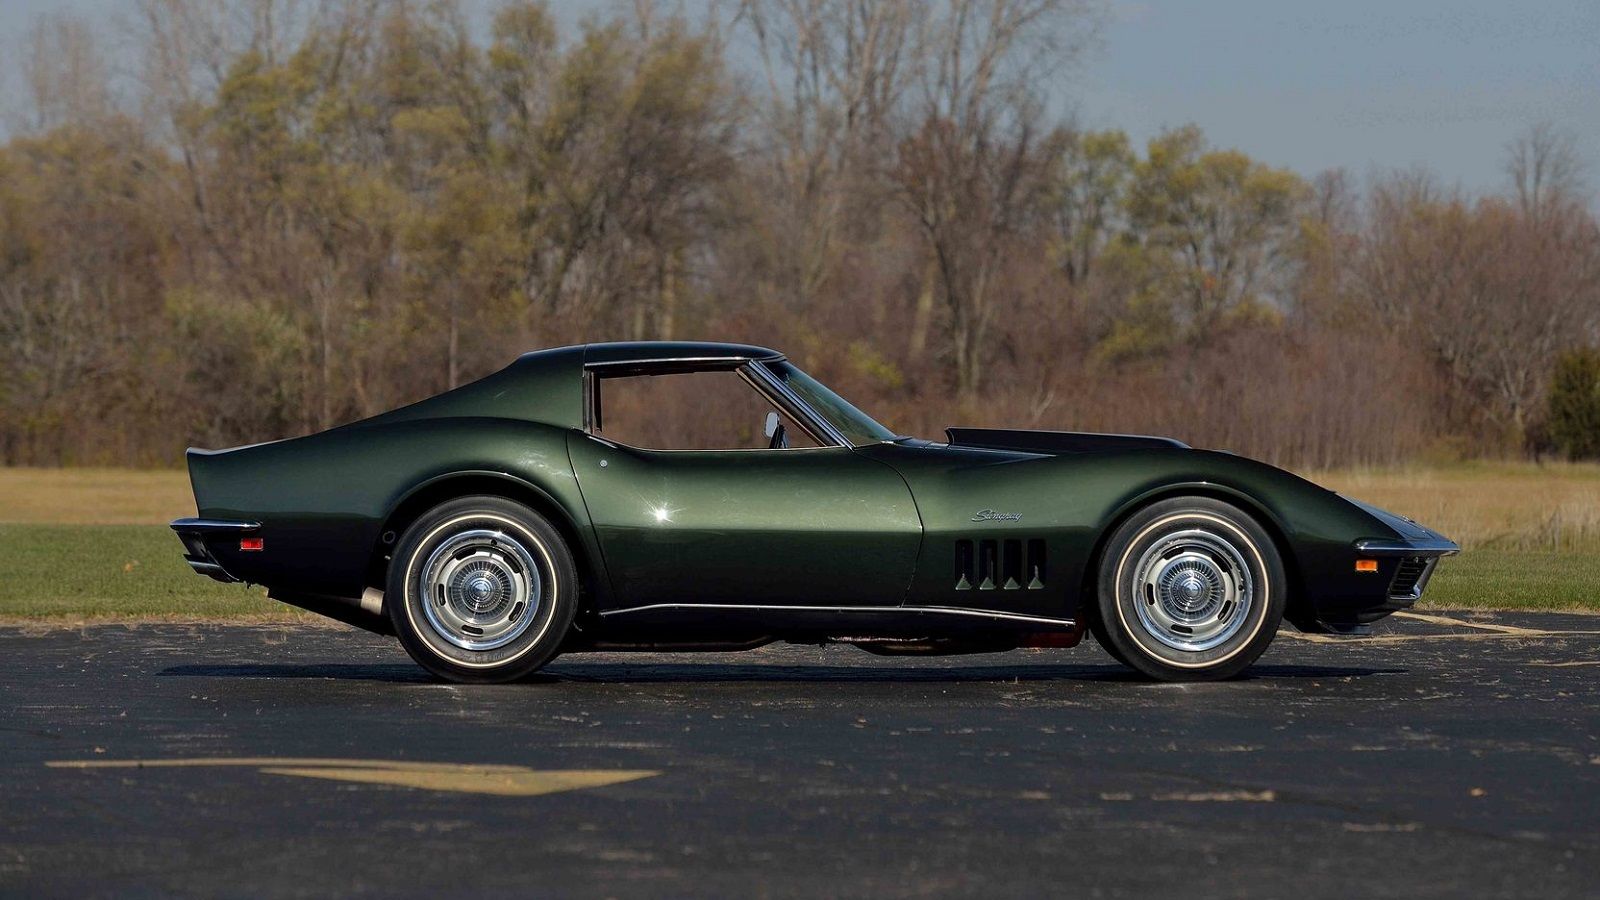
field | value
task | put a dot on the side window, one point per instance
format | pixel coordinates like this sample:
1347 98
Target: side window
688 411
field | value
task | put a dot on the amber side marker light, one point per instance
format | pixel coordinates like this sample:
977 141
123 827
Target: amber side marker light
251 544
1362 565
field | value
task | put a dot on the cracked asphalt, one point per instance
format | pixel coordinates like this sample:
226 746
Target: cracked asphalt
1450 755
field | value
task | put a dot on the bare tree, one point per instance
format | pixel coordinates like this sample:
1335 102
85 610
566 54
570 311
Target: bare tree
975 172
1493 290
834 74
1329 234
305 211
65 68
1544 168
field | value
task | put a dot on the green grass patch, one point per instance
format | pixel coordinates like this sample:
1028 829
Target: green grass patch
1510 579
113 571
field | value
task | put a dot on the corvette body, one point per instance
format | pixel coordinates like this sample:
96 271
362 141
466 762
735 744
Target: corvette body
987 540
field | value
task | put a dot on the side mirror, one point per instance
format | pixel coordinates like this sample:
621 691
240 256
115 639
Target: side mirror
771 426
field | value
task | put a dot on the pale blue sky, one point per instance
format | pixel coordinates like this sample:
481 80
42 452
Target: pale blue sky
1363 84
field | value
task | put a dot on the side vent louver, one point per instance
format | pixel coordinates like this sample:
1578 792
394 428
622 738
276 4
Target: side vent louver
986 565
1035 569
1008 565
1011 565
964 565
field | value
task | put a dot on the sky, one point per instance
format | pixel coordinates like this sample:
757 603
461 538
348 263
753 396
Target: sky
1364 85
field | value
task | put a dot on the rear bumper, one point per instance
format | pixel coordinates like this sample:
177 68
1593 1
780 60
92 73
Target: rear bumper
198 535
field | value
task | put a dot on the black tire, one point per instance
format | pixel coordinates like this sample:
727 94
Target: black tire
1190 589
456 581
1097 627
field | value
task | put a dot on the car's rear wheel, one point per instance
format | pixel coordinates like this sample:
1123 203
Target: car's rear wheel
481 589
1191 589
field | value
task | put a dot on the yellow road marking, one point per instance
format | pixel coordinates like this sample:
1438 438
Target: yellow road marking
527 783
1563 665
1220 797
1404 638
498 780
1203 796
1485 626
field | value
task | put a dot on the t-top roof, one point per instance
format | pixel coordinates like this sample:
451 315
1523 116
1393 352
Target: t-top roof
654 351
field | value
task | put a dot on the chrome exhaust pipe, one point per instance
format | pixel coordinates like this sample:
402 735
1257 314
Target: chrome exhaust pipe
372 601
364 612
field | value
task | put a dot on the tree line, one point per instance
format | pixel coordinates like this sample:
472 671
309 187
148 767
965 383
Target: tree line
295 215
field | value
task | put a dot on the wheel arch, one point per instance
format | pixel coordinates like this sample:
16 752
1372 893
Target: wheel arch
467 483
1270 523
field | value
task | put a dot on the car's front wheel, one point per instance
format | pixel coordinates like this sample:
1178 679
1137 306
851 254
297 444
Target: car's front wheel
1191 589
481 589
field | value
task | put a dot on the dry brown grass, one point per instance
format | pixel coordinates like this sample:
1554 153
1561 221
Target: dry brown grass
94 496
1552 507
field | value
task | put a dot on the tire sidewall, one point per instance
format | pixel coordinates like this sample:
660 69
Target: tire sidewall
1119 623
532 649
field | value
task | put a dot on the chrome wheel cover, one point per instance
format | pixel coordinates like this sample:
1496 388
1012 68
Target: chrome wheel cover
1193 590
480 589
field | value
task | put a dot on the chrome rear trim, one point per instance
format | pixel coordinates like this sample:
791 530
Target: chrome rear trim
211 570
213 525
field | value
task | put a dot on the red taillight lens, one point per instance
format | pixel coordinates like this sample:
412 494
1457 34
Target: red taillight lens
254 543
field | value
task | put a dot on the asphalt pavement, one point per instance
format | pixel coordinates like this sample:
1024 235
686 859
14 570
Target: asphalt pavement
1453 755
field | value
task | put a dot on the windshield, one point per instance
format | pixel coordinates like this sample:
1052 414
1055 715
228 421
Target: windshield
854 424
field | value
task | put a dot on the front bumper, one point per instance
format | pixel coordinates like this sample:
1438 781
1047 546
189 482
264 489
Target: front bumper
1348 601
197 536
1414 563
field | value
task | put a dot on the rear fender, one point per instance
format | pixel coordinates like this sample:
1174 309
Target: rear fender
572 523
325 502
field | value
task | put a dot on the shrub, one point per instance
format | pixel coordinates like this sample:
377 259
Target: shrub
1574 418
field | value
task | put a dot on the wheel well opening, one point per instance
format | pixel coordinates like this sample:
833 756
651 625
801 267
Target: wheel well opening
444 490
1090 608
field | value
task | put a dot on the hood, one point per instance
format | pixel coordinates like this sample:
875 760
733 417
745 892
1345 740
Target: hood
1051 442
1405 526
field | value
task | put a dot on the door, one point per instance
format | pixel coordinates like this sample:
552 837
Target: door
798 525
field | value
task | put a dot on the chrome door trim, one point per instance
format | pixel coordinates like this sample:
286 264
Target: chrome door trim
958 611
677 360
747 368
801 410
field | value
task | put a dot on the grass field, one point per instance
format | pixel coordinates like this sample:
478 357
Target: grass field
93 496
116 571
93 543
1553 507
1530 533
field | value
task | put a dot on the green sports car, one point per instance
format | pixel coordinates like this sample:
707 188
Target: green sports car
705 496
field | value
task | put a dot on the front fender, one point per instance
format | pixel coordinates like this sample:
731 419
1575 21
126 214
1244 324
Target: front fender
1073 501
